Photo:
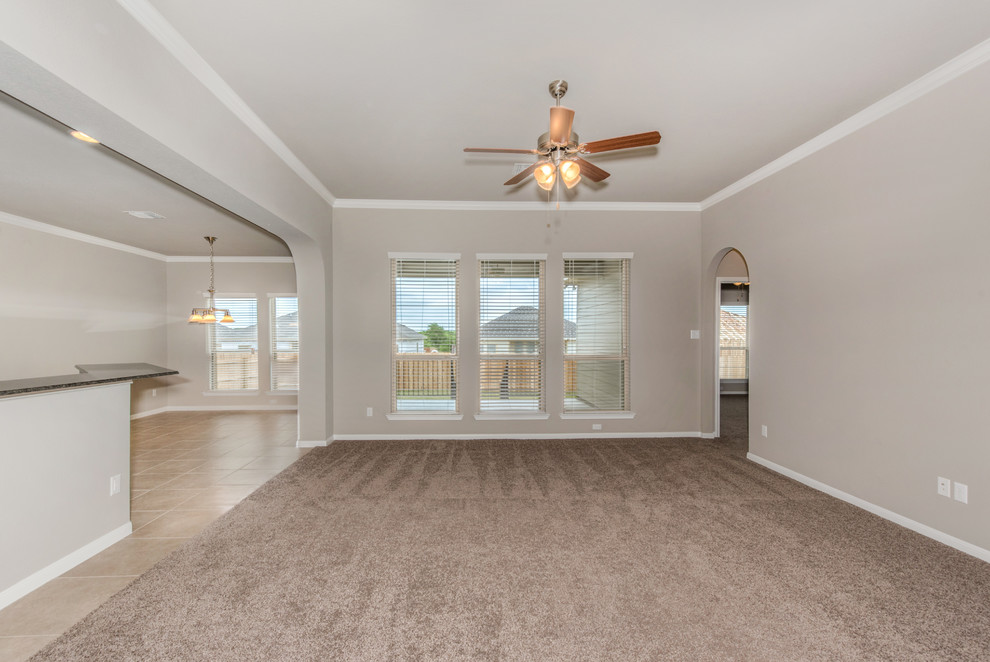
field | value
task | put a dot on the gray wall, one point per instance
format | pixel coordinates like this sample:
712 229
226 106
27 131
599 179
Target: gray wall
187 282
664 299
870 308
66 302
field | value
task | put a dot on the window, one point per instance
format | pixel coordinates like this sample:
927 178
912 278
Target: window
233 347
511 334
596 334
424 334
284 320
733 334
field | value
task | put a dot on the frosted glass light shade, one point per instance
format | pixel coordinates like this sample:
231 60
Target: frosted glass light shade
545 175
570 173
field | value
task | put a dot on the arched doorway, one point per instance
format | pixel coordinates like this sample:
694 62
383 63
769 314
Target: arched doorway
731 349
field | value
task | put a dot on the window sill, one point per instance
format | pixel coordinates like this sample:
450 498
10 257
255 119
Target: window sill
284 392
233 393
513 416
424 417
598 414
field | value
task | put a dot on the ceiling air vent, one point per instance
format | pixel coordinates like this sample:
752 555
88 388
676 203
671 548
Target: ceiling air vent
144 214
519 167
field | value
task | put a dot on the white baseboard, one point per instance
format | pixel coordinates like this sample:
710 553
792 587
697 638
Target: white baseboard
917 527
150 412
231 408
319 443
501 435
162 410
63 565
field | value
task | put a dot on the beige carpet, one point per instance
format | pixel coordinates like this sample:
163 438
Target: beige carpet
544 550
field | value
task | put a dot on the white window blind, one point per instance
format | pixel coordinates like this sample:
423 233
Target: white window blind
424 335
511 335
596 334
284 319
233 347
733 340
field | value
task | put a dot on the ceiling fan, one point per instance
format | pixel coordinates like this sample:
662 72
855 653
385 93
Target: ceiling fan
559 150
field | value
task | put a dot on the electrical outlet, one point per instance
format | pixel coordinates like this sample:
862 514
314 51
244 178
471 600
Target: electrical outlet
763 430
596 426
944 486
114 484
371 412
961 492
695 334
154 392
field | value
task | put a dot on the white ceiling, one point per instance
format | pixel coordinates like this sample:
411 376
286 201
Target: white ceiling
378 99
48 176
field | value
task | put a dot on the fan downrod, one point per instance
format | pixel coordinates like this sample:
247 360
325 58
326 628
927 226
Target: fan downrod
558 88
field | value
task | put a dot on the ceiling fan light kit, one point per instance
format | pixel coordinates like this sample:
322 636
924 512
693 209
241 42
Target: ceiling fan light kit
560 149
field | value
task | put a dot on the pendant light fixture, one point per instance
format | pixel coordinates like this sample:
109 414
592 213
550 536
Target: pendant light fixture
209 315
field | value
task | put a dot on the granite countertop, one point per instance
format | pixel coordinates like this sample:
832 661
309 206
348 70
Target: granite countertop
89 375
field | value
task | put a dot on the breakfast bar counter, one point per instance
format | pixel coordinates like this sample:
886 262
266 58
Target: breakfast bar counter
64 470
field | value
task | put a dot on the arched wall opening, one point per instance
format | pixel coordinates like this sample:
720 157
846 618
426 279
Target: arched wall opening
214 157
728 276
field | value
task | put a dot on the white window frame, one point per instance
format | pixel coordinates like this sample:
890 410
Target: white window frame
273 350
719 282
624 353
484 348
437 415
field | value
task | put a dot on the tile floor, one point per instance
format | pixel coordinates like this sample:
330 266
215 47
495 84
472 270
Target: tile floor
187 469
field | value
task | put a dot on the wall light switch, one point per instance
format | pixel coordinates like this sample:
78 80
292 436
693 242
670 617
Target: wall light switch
695 334
114 484
154 392
371 412
944 486
962 492
763 430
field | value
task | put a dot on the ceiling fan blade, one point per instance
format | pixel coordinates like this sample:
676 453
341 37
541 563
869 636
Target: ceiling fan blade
561 121
523 175
590 170
623 142
497 150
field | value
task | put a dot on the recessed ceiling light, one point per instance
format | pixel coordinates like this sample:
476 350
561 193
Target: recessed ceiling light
79 135
144 214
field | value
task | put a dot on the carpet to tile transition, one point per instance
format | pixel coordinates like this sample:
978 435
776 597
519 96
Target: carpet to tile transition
543 550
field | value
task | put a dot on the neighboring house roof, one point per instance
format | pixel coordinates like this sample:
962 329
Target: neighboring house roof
225 332
404 334
520 323
733 329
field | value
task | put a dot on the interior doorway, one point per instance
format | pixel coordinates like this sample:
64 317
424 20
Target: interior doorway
732 355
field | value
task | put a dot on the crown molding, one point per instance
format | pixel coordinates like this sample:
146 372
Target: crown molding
974 57
257 259
502 205
38 226
147 16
